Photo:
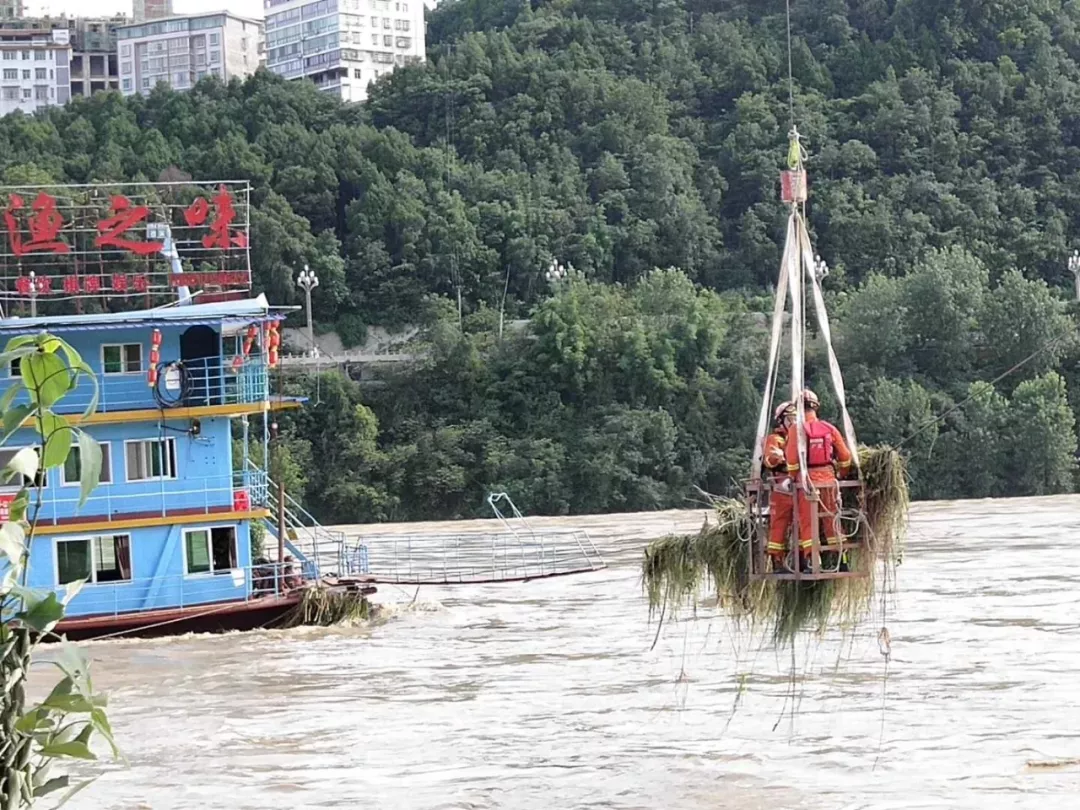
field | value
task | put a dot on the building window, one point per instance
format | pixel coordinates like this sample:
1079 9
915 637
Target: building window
374 39
26 74
374 22
214 39
121 359
12 94
41 93
404 25
210 551
146 81
41 73
10 56
358 73
26 56
11 74
40 56
125 50
388 40
386 22
125 68
72 469
150 459
96 559
180 79
405 7
27 93
215 56
127 84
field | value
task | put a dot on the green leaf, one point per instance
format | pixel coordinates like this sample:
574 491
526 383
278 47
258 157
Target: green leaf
58 439
83 368
46 378
24 463
29 722
54 784
9 396
17 510
104 728
74 359
89 465
72 661
20 342
12 542
43 615
71 590
74 750
78 704
81 786
13 417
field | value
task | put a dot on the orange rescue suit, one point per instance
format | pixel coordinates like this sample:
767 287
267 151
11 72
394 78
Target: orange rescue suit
824 445
780 503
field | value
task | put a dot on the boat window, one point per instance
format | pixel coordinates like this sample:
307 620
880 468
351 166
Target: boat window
15 369
210 550
121 359
150 459
70 472
106 558
6 455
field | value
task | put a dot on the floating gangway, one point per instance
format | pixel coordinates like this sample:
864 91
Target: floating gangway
513 551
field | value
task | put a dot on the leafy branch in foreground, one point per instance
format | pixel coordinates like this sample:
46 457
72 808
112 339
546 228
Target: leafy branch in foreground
63 725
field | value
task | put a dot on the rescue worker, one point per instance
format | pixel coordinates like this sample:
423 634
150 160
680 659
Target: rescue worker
780 503
827 456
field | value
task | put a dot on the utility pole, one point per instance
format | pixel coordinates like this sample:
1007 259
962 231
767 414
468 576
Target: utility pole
309 281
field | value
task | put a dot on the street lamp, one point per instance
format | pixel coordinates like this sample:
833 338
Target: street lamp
309 281
557 272
1074 268
33 294
821 269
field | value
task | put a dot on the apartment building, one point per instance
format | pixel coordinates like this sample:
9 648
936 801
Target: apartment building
94 66
11 9
34 68
342 45
143 10
181 50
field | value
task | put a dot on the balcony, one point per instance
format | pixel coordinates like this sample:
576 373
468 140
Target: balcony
213 495
187 384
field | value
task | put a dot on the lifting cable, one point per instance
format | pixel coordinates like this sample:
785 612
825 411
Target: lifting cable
993 382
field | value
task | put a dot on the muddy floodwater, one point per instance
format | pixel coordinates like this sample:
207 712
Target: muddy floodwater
546 695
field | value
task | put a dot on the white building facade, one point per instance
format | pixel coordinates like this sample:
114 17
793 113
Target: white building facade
181 50
34 69
342 45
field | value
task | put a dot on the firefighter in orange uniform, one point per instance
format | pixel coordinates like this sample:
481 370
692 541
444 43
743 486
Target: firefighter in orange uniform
827 456
780 504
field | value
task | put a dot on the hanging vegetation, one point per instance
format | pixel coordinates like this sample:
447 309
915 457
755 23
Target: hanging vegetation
678 569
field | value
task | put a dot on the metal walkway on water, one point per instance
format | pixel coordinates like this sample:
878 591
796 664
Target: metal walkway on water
514 553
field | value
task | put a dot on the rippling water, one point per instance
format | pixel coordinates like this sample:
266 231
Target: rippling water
547 695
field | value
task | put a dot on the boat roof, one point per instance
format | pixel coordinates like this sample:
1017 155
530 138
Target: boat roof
212 314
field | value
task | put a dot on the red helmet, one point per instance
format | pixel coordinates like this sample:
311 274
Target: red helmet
810 399
782 410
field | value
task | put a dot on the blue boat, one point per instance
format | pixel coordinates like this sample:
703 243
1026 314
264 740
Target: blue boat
164 543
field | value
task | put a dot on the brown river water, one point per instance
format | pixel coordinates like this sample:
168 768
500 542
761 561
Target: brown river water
547 696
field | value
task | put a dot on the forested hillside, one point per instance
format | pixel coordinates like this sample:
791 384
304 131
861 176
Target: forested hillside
625 137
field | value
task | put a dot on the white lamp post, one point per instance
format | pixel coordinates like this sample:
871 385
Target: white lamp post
1074 268
309 281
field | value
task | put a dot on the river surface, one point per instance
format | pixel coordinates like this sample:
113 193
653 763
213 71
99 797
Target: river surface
547 696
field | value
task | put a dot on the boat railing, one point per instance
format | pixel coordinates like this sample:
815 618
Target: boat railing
324 550
180 384
240 491
231 585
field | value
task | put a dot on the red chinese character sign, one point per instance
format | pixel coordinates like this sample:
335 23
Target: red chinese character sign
128 240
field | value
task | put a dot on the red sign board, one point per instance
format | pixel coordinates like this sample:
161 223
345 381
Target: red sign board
5 507
124 240
241 500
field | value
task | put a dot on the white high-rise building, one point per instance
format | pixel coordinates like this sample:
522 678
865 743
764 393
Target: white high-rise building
342 45
181 50
34 69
